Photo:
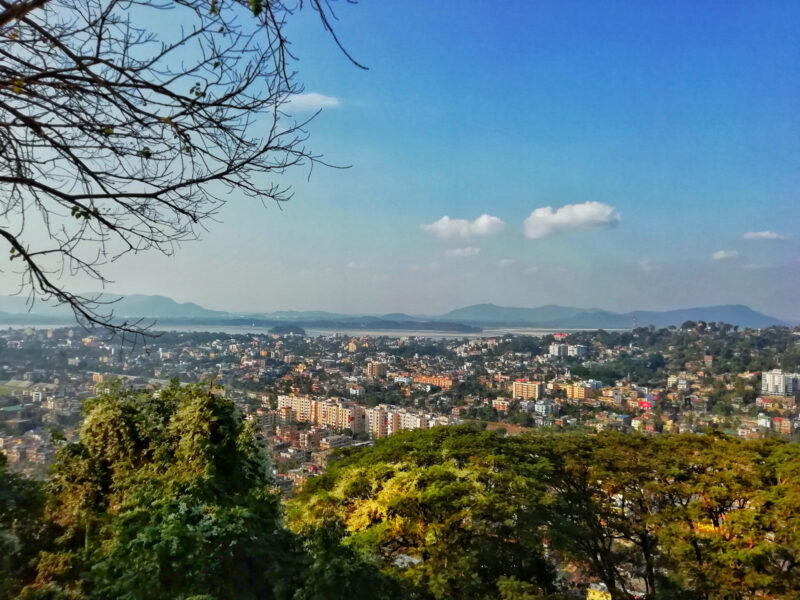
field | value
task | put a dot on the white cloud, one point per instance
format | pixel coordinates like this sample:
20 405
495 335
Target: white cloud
434 266
462 252
753 266
448 228
505 262
310 102
354 265
546 221
724 254
648 267
764 235
532 270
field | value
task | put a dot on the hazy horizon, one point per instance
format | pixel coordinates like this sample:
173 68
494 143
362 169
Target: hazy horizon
463 305
16 299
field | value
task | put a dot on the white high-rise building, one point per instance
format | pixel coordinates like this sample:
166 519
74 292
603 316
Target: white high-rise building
578 351
778 383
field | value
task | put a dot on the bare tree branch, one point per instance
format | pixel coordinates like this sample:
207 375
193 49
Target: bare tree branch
117 137
18 10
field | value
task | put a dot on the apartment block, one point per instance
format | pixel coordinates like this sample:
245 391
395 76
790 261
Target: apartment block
527 390
778 383
376 370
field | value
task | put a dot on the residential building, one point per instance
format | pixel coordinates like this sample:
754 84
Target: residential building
577 351
778 383
439 381
527 390
376 370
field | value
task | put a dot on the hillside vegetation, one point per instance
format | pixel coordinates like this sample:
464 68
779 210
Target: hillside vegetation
171 497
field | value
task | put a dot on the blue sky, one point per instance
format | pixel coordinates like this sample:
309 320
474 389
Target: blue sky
668 130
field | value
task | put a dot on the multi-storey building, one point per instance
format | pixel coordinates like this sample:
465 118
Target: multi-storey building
376 370
413 420
527 390
325 412
339 415
385 419
778 383
285 416
577 351
301 406
335 441
443 382
394 421
336 414
502 404
309 439
376 422
578 392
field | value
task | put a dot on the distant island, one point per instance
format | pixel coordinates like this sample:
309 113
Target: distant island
288 330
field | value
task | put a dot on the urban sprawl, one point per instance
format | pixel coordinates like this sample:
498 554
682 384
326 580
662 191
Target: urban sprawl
312 395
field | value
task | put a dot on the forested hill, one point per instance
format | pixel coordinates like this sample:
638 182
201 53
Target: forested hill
171 497
554 316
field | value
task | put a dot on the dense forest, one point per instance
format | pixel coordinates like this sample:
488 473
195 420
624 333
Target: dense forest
171 497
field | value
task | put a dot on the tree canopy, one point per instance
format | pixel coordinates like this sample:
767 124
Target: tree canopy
450 510
164 497
170 495
465 513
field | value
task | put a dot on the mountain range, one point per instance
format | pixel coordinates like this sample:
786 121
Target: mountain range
13 309
592 318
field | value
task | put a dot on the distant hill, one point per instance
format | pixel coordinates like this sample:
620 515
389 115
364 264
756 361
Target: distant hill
552 316
398 317
155 307
17 305
735 314
492 313
167 311
135 305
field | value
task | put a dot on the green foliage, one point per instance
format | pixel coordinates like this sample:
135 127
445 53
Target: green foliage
646 370
680 514
21 504
460 513
336 571
448 510
165 496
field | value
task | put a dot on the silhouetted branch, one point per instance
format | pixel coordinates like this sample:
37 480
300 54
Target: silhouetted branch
115 139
